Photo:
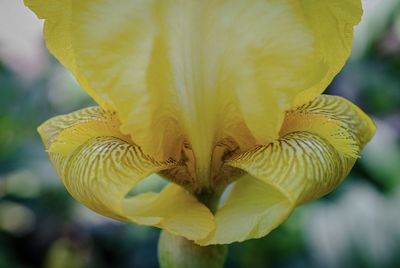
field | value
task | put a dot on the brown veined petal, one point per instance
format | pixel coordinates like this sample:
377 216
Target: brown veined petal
75 128
304 164
99 166
196 70
334 118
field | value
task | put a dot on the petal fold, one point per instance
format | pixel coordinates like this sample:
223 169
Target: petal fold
99 166
333 118
319 146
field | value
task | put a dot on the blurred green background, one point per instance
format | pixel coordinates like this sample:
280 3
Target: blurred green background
42 226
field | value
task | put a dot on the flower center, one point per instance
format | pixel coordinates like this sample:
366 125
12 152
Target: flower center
212 175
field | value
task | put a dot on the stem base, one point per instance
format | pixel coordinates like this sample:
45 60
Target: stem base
178 252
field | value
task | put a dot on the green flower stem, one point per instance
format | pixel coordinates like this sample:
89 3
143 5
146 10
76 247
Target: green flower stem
178 252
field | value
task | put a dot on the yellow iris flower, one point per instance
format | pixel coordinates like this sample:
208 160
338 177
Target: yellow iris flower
206 94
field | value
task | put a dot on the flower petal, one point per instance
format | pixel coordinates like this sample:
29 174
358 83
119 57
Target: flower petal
176 211
306 163
252 209
332 25
194 70
99 166
335 119
59 38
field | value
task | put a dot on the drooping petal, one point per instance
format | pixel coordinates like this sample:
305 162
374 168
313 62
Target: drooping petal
66 132
175 209
334 118
252 209
99 166
196 70
306 163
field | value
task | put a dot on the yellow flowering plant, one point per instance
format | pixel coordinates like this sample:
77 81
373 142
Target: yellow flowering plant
207 94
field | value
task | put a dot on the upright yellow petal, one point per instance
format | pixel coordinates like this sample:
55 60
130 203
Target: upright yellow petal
99 166
200 71
307 162
332 25
59 38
